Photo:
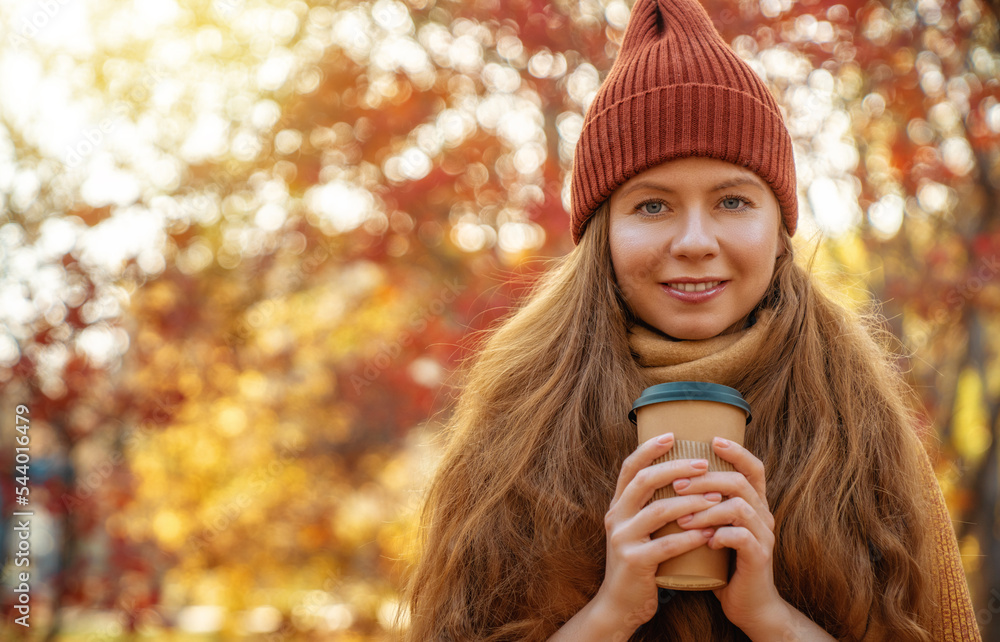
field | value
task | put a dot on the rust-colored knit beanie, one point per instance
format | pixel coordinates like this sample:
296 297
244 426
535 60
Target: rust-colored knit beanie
677 89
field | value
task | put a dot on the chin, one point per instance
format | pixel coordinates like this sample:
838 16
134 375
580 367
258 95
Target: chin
688 333
693 336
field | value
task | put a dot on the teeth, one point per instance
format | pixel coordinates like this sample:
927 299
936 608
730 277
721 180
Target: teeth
694 287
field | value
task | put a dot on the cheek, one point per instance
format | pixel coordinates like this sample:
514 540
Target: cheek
752 250
627 251
756 242
756 262
619 249
763 269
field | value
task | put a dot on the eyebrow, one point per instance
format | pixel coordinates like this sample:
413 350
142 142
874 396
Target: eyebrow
732 182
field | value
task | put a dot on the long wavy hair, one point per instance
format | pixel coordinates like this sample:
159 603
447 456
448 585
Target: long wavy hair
512 540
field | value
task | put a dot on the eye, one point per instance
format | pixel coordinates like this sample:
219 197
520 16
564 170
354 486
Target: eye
734 202
656 208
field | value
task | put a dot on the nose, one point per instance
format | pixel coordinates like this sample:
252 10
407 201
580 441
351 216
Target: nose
695 238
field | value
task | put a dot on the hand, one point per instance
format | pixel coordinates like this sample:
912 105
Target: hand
742 522
628 595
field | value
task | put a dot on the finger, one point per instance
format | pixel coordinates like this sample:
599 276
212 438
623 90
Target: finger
734 512
670 546
648 480
643 456
749 550
663 511
744 461
730 484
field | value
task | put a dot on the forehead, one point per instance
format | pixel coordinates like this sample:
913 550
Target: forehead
694 171
694 167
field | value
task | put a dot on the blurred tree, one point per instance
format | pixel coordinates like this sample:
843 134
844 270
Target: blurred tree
232 307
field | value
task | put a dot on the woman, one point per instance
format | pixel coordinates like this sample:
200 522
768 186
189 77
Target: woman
538 523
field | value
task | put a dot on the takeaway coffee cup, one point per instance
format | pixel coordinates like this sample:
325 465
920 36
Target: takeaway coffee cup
696 412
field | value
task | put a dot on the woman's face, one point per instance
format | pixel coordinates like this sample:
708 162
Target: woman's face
686 222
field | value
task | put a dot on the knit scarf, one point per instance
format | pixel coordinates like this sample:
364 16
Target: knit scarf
718 359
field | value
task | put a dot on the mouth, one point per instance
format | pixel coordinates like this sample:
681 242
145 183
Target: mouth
694 287
694 293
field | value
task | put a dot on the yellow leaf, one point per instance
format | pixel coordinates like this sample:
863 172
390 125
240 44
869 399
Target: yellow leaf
972 436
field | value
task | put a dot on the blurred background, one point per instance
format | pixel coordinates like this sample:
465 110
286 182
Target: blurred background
244 244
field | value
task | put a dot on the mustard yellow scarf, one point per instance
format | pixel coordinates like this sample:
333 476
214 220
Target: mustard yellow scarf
718 359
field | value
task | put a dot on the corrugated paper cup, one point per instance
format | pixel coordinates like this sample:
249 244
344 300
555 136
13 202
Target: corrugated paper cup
696 412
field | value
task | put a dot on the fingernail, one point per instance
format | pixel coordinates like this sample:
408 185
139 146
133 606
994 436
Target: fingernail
700 463
666 438
713 497
708 532
681 484
722 443
685 519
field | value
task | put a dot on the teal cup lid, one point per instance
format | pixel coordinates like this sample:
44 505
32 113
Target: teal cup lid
690 391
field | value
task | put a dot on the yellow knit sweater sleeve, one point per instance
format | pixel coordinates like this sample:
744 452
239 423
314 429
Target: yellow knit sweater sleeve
954 619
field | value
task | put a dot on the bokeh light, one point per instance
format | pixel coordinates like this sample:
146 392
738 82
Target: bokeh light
244 245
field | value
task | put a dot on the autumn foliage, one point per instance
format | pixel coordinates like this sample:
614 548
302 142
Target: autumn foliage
233 301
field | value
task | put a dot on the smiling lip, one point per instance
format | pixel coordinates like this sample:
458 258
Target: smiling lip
701 290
